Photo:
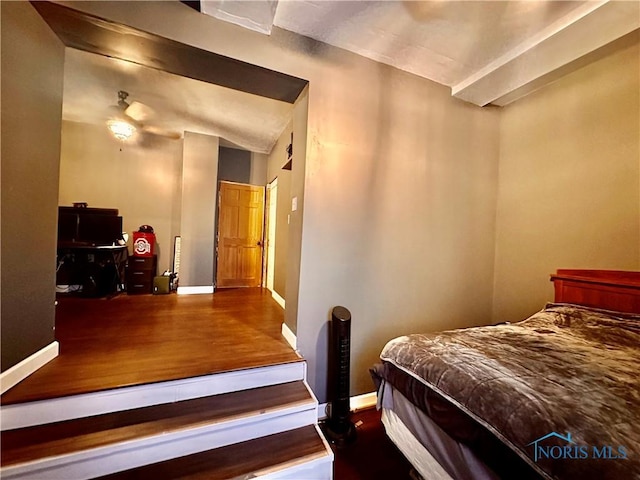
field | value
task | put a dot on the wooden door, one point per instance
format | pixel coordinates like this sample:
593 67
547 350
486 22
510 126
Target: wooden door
240 225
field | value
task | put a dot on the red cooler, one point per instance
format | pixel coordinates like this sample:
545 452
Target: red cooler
143 244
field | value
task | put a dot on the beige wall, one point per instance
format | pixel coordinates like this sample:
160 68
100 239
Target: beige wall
297 192
199 205
399 189
141 180
258 174
569 193
399 212
32 72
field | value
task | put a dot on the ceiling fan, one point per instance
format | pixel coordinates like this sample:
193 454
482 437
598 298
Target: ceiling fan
126 118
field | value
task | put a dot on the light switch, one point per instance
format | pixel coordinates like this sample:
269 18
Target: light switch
294 204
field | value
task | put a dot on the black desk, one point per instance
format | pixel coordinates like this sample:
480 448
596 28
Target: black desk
94 271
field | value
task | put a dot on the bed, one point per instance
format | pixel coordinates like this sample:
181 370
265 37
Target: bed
555 396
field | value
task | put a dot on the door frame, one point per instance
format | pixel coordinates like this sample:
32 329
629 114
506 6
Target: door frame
270 209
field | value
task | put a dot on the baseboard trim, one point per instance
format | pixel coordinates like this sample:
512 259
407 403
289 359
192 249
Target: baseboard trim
26 367
289 336
195 290
358 402
276 296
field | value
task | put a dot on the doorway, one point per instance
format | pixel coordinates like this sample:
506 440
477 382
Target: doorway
240 235
270 237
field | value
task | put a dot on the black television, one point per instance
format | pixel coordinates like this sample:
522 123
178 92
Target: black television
88 226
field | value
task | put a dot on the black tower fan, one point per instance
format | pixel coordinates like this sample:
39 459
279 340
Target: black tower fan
338 428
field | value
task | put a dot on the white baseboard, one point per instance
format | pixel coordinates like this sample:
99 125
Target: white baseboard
26 367
195 290
276 296
358 402
289 336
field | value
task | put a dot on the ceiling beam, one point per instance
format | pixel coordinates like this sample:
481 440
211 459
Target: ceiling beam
103 37
545 56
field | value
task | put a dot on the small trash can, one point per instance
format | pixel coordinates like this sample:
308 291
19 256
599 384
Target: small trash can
144 241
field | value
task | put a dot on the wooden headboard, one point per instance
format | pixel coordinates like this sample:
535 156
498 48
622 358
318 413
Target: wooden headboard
607 289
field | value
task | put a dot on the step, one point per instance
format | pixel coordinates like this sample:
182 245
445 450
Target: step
59 409
100 445
297 454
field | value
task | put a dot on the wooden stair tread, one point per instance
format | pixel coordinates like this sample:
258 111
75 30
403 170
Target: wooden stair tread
235 460
31 443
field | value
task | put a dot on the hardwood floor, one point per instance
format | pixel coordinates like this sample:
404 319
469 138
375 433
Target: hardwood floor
132 340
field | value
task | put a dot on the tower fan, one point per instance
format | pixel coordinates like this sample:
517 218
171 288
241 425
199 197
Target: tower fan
338 428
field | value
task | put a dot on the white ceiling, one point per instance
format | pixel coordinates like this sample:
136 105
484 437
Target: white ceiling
91 84
483 50
443 41
486 51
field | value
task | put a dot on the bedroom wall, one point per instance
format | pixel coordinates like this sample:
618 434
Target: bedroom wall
400 211
400 188
141 180
199 207
569 182
31 117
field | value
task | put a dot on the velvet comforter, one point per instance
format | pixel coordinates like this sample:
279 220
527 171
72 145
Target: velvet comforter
560 389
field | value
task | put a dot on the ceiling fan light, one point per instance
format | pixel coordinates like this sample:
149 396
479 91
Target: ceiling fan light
120 129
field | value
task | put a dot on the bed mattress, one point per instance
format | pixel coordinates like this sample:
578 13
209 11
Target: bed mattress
560 391
433 453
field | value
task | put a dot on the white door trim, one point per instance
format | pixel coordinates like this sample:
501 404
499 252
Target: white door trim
270 233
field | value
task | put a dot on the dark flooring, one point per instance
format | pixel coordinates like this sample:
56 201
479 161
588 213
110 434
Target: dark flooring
372 456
